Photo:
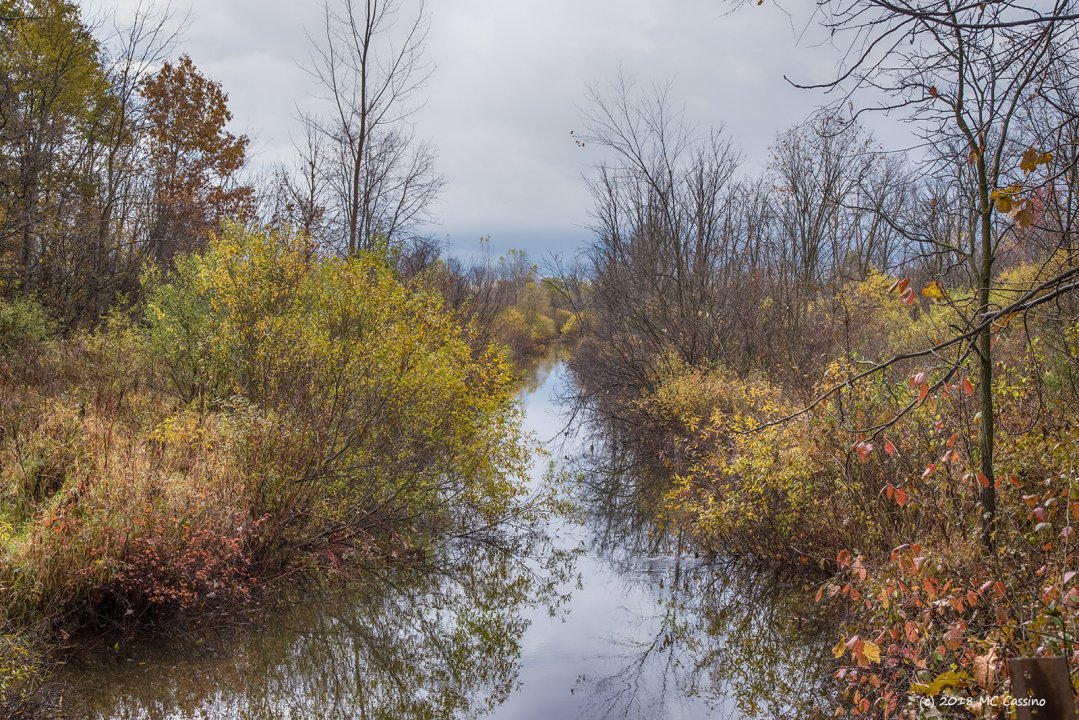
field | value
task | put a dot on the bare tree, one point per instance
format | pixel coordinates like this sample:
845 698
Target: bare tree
122 203
980 15
660 246
818 169
967 73
368 58
689 263
300 192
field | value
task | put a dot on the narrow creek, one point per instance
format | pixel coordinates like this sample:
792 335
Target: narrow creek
595 615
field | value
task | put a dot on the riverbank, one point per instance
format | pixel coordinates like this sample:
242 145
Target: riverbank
263 413
872 484
595 613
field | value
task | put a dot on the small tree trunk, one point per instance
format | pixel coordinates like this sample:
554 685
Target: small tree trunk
985 440
985 361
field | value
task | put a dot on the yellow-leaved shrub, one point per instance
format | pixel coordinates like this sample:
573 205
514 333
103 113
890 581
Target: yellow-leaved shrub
266 407
874 481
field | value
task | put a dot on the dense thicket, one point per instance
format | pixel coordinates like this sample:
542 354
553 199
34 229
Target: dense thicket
265 410
104 162
861 361
207 382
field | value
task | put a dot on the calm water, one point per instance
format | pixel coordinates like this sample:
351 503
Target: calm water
595 615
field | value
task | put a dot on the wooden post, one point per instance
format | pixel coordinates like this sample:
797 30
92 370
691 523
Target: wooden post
1042 679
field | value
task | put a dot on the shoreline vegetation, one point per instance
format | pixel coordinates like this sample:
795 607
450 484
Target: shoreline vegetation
883 529
855 364
212 381
265 412
906 439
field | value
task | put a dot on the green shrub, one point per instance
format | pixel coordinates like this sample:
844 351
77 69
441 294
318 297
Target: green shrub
23 322
270 408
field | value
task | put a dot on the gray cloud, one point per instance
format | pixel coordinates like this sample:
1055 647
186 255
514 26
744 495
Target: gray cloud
511 76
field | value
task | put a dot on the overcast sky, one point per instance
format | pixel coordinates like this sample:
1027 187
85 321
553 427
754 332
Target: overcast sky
509 85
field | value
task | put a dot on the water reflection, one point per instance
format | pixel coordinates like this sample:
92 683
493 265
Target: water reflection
717 641
517 625
432 642
706 637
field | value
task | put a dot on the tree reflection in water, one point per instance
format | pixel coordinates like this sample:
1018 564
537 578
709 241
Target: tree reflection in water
437 641
650 631
744 642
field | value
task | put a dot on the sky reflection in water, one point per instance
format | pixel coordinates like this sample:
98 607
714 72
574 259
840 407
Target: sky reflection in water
594 616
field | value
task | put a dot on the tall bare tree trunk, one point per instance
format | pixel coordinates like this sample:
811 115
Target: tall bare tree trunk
985 363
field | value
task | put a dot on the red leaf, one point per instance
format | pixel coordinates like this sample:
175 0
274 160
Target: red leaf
923 393
967 387
983 480
953 639
902 497
889 448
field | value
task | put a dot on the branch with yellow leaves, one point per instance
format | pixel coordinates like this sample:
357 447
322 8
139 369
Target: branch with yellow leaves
1062 284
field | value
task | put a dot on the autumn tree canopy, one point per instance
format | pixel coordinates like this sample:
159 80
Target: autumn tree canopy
52 96
194 160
